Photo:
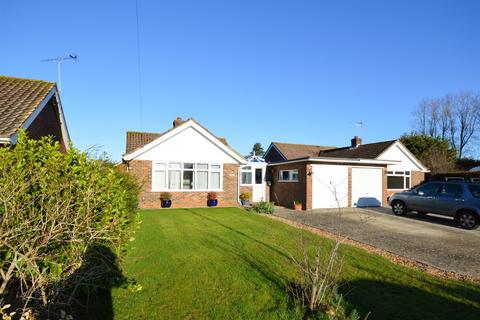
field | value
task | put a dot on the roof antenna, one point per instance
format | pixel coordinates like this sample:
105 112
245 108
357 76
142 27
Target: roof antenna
359 125
59 60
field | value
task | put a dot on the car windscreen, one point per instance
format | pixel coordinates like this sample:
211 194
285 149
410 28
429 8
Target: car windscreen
474 190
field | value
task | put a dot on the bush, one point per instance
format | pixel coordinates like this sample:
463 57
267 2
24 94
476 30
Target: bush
263 207
56 209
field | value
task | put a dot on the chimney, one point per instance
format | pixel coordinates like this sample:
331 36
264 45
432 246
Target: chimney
178 121
356 141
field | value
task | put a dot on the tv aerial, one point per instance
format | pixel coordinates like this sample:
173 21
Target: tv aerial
359 125
59 61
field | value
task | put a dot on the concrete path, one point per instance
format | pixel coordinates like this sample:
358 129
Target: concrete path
431 239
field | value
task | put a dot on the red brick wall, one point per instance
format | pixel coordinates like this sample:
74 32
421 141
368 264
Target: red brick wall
148 199
47 123
284 193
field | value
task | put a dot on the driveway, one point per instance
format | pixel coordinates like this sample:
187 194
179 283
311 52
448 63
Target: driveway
430 239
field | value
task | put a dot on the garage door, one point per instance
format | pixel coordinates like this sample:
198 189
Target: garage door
329 186
366 187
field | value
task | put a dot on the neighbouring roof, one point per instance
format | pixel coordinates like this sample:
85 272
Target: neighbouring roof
136 140
294 151
363 151
19 98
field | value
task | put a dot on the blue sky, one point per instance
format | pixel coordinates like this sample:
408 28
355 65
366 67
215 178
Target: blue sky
289 71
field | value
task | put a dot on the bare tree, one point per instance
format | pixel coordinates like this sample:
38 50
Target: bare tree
467 111
420 116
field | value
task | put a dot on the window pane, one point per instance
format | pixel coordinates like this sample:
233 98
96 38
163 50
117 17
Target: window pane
202 180
258 176
174 178
294 175
175 165
395 182
399 172
187 180
451 190
188 165
160 165
474 190
247 177
202 166
215 167
285 175
407 182
158 181
215 180
246 168
430 189
407 173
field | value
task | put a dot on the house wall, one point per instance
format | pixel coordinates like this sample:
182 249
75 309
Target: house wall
188 145
284 193
272 155
47 123
142 169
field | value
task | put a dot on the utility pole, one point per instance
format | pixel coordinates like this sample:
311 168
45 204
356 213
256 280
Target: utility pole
59 62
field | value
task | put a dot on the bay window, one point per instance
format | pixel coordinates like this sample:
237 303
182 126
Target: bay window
398 180
186 176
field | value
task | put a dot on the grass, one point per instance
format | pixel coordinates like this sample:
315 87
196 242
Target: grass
230 264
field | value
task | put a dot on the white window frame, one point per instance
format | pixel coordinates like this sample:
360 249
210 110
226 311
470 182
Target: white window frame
251 170
155 165
405 174
290 175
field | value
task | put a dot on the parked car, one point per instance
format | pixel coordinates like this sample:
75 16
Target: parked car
454 198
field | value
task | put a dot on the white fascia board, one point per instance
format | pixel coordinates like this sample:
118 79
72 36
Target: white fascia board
26 124
409 155
187 124
5 141
337 160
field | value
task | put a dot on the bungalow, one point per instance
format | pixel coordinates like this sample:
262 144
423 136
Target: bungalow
188 161
360 175
34 106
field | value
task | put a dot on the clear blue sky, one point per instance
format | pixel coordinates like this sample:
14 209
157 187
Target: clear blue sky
290 71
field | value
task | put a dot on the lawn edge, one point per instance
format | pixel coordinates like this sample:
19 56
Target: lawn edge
392 257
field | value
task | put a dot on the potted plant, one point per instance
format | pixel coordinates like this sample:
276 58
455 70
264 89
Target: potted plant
166 199
245 198
212 200
297 205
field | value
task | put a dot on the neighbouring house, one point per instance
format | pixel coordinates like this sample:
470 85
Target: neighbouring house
360 175
189 161
34 106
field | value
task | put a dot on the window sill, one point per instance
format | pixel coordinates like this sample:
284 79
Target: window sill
287 181
158 191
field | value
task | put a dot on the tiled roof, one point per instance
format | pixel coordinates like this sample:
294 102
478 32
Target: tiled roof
136 139
294 151
363 151
18 99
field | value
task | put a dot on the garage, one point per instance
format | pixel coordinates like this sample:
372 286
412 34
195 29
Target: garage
329 186
367 187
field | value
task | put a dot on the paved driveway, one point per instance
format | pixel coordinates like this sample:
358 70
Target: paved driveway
431 239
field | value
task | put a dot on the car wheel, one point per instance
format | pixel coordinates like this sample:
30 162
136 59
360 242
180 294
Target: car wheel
399 208
467 220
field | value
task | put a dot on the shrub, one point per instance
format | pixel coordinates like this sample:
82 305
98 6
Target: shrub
165 196
263 207
56 210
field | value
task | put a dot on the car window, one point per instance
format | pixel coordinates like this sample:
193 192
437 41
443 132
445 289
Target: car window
451 190
430 189
474 190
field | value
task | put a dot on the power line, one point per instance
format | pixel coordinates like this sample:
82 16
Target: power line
139 69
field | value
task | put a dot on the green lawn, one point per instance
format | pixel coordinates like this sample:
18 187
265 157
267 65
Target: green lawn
229 264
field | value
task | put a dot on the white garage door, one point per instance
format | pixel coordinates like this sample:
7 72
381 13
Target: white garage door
329 186
366 187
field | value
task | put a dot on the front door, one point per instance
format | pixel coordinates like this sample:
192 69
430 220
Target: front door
258 192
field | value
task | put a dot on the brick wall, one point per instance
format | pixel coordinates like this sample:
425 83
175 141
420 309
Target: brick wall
148 199
47 123
284 193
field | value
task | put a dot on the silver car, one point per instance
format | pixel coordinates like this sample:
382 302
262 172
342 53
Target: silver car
457 199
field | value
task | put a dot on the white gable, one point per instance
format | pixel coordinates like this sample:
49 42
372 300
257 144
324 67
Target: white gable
189 144
397 152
